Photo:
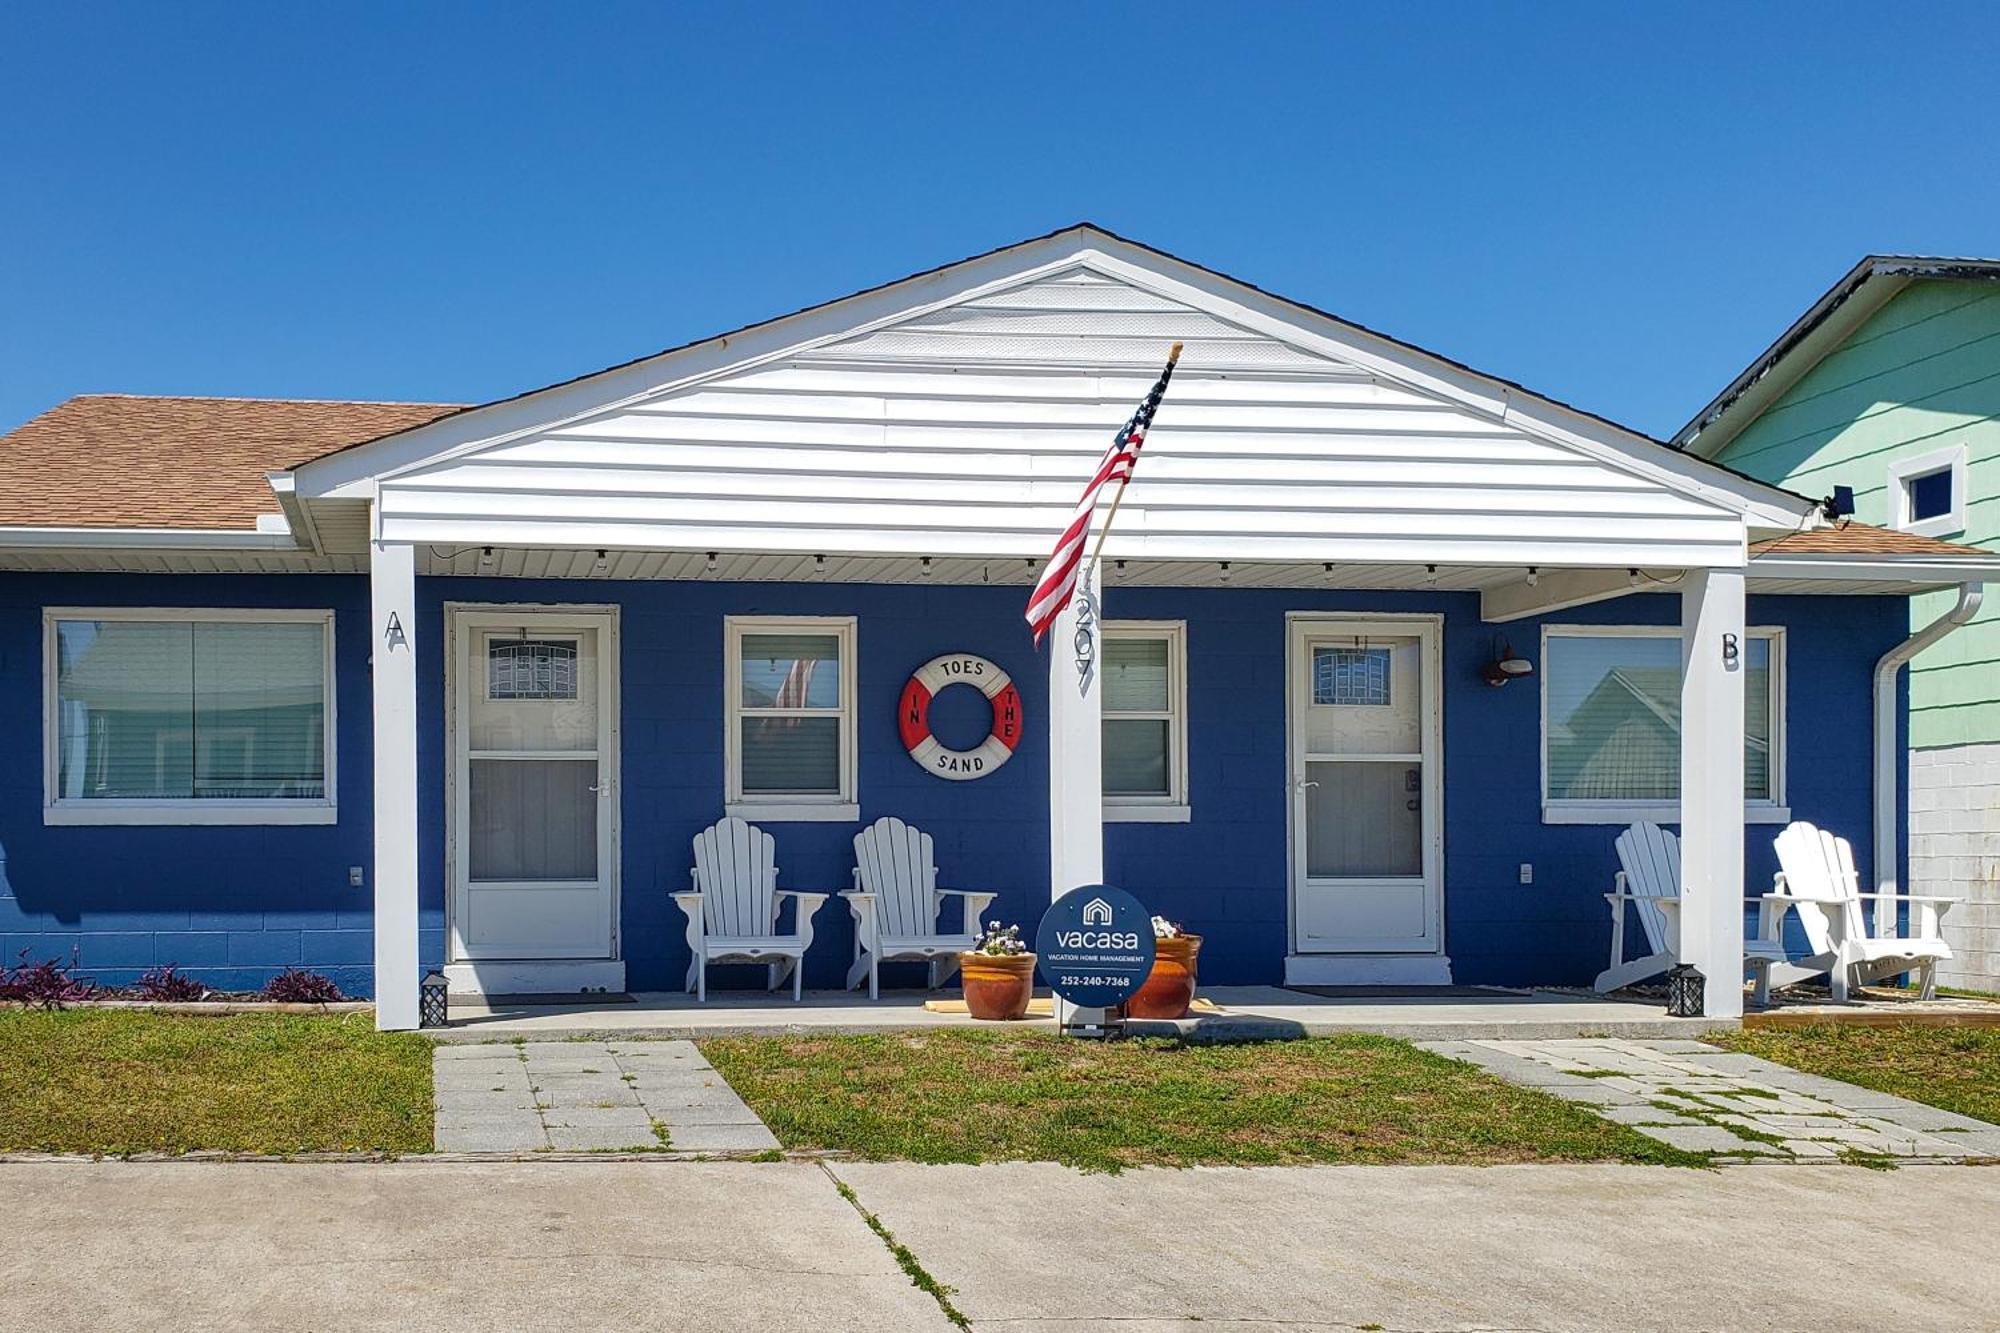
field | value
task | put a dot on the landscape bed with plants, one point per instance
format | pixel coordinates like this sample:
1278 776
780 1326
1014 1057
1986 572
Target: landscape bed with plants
50 983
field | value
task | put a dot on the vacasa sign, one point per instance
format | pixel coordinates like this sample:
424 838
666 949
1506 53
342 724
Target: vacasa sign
1095 946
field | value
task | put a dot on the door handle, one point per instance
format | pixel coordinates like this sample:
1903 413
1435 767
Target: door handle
1302 785
601 789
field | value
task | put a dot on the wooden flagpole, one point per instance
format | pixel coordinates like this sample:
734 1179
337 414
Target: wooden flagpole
1173 359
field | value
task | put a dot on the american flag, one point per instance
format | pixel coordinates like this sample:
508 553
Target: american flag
1059 576
794 692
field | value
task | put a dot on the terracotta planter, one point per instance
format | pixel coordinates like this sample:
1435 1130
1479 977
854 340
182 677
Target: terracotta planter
997 986
1169 990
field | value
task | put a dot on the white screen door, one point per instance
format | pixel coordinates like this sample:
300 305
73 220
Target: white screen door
1365 787
534 830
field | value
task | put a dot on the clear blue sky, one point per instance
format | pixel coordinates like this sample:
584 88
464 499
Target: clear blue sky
1616 205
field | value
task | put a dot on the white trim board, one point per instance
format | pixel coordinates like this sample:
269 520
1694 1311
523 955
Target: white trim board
560 976
1361 969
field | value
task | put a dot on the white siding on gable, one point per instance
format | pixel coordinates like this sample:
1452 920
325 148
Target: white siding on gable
969 430
1073 317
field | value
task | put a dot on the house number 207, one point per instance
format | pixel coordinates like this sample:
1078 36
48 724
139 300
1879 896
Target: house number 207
1731 650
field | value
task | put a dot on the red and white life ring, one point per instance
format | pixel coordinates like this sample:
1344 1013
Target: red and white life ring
914 716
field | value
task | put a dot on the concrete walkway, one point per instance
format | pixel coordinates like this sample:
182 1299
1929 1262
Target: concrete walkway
588 1096
1702 1099
1026 1248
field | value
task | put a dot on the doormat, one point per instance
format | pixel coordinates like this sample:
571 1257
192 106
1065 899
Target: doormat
1044 1007
564 998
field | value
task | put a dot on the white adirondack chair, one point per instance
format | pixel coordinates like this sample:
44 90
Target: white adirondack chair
897 905
1817 874
1650 884
732 912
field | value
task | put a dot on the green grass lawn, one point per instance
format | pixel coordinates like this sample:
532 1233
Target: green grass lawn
1957 1069
993 1096
119 1081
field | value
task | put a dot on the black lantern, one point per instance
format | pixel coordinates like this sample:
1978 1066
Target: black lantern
1684 988
433 1001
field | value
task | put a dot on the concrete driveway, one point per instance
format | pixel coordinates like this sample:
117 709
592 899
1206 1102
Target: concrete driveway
1033 1248
772 1246
443 1247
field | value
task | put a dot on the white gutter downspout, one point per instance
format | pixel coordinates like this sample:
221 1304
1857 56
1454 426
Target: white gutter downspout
1886 750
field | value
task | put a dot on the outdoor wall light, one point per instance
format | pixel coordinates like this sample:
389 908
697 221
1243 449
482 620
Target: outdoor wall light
1505 666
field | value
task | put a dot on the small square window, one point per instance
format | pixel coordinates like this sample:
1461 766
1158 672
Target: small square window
531 669
1929 495
1351 677
188 717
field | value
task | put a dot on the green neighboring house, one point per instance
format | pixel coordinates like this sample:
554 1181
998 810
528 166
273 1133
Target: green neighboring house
1890 384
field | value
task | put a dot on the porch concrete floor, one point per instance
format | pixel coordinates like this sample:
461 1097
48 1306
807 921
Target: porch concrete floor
1247 1013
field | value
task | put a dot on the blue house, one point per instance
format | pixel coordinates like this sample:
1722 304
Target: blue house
373 688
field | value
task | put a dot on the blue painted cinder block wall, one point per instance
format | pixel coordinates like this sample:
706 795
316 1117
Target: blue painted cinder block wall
232 905
235 904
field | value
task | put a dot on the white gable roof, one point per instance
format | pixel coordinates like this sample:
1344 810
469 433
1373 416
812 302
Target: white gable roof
958 412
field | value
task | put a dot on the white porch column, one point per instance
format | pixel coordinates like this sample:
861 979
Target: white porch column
1076 773
392 582
1712 661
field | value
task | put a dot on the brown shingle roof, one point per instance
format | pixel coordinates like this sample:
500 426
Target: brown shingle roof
124 461
1860 539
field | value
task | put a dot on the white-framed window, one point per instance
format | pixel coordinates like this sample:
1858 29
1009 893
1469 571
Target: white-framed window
1145 721
1611 713
1927 493
179 716
789 717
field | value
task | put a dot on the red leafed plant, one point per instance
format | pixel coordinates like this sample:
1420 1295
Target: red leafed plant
49 984
297 986
170 986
